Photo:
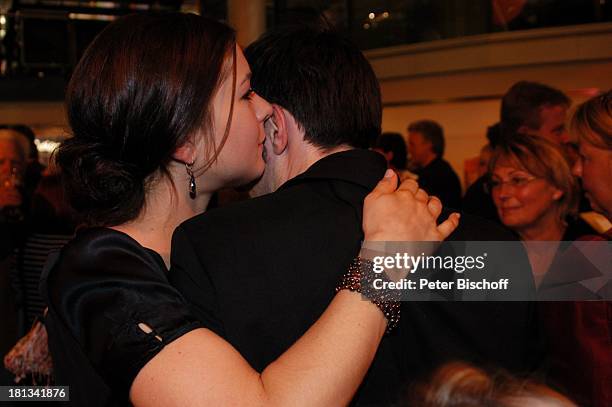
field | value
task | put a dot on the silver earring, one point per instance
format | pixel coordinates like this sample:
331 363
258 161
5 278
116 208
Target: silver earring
192 184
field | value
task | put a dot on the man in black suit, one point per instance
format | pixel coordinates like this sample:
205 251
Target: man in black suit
260 272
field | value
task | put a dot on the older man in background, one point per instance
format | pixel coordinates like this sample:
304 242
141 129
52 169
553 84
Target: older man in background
436 176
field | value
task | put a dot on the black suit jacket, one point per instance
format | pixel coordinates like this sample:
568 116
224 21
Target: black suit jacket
438 178
260 272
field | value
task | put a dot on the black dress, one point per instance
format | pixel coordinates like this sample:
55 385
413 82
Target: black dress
99 288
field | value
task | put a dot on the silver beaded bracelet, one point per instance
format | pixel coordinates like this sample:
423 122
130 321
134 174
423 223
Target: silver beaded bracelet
360 277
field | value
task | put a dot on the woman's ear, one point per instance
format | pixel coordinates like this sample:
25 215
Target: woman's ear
279 137
185 153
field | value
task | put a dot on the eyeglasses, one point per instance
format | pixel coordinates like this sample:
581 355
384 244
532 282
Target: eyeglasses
514 182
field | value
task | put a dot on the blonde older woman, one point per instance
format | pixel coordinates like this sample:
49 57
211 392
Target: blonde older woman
535 195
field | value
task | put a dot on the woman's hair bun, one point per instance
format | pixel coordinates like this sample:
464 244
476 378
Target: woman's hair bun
103 189
143 88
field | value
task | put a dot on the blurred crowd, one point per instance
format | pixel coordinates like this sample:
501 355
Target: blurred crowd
35 219
544 175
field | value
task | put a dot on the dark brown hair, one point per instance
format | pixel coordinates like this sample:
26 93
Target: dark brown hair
141 89
394 142
322 79
522 103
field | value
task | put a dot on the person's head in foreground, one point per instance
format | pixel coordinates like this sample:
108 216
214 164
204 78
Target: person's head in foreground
532 187
325 96
459 384
592 125
160 99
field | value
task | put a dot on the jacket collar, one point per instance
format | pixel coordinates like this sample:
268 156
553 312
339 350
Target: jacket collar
357 166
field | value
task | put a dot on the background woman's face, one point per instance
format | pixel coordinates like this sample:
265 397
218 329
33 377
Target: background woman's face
595 169
240 161
521 198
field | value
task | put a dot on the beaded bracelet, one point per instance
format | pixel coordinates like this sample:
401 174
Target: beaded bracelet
360 277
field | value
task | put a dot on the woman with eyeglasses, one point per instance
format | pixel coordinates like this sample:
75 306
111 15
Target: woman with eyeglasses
535 194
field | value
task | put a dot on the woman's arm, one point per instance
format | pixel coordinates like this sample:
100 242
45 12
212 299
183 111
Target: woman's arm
326 365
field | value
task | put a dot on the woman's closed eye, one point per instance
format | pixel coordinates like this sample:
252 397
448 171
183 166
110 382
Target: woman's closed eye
249 94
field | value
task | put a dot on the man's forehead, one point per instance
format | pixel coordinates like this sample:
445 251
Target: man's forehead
553 111
415 135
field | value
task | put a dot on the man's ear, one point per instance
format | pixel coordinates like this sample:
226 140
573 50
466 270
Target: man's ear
280 138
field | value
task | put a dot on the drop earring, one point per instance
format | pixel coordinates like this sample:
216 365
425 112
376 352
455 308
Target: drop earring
192 184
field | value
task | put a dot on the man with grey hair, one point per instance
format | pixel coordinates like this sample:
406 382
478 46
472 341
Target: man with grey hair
436 176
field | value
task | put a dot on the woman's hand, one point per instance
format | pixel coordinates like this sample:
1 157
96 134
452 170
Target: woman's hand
404 213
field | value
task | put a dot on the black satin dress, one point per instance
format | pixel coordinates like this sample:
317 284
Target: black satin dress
99 288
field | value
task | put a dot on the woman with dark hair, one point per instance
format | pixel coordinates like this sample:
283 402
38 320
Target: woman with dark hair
163 115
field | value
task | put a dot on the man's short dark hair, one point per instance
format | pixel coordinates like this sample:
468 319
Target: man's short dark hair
522 103
323 80
494 134
432 132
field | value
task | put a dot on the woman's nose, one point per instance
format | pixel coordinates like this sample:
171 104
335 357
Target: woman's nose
263 109
505 190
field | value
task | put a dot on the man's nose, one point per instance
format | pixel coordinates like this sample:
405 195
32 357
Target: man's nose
264 109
